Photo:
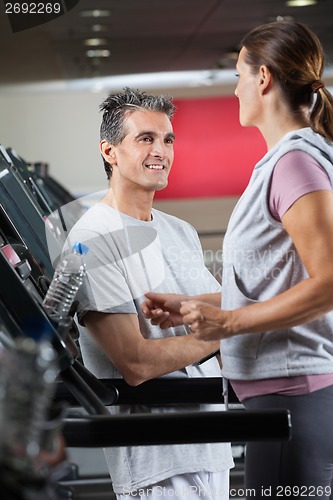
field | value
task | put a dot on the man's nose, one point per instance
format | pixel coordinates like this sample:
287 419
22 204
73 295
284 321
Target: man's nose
159 148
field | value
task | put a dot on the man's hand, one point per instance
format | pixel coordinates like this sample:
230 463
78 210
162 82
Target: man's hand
163 309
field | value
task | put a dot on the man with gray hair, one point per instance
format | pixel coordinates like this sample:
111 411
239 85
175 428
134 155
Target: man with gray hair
134 248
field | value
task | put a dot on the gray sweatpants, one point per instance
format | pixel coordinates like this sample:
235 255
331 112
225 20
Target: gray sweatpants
303 466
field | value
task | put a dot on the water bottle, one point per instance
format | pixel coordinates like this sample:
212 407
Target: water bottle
66 281
28 370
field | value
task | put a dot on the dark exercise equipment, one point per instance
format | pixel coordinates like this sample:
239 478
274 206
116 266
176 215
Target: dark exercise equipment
25 311
181 428
22 217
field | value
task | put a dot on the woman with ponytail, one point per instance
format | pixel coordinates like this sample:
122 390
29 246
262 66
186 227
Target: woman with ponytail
276 316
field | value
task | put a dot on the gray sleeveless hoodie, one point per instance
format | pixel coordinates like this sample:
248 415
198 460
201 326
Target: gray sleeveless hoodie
259 262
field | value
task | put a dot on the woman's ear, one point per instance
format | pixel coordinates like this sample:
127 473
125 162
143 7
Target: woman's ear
107 151
265 78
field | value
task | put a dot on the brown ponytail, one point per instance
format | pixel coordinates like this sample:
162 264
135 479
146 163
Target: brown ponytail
294 55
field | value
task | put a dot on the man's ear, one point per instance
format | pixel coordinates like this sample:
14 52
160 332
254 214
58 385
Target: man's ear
107 151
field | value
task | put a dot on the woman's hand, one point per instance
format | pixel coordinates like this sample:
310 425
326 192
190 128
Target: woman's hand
207 322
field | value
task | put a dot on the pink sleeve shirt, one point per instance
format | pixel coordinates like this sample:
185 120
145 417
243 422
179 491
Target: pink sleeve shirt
295 174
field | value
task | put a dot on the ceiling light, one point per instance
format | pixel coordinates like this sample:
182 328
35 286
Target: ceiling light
95 42
232 55
98 53
95 13
99 28
280 18
96 61
300 3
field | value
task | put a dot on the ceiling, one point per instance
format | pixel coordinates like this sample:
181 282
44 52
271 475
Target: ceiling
145 36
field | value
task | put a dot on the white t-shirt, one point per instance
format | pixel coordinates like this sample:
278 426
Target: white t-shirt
128 257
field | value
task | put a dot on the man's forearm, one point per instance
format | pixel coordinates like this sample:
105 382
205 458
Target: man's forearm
214 299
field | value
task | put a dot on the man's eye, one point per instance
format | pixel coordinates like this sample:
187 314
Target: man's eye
170 141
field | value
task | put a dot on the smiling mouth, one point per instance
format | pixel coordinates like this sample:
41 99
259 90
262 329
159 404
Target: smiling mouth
155 167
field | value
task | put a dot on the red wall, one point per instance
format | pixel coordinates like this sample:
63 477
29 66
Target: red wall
214 155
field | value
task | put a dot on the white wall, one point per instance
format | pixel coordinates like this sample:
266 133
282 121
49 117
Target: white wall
61 129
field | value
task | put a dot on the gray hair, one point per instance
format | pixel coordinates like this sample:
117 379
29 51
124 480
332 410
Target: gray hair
117 107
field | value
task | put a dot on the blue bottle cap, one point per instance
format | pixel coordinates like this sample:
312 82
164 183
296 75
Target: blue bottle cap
80 248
